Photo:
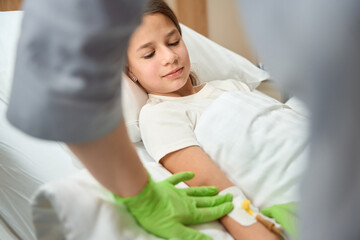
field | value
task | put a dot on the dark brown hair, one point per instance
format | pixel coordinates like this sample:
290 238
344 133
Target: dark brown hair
159 6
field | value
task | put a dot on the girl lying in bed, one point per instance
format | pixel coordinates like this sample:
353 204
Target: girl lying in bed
159 62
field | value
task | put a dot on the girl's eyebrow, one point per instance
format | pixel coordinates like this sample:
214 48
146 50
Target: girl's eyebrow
172 32
144 46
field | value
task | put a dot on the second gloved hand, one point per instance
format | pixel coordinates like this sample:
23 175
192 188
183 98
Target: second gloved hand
164 210
286 215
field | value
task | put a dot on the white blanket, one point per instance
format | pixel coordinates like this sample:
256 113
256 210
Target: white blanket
260 143
78 208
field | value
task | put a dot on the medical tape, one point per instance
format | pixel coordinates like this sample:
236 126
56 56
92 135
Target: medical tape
239 214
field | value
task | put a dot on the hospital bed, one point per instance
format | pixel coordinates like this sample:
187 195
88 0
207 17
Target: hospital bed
43 186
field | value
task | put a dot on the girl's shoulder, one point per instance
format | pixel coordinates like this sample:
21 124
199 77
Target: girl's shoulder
230 85
159 109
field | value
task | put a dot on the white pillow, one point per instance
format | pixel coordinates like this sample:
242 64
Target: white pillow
209 60
10 23
133 99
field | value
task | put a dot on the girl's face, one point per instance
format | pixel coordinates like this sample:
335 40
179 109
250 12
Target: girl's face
158 58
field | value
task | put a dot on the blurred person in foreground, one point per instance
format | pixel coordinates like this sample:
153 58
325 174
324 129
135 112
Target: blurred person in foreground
312 48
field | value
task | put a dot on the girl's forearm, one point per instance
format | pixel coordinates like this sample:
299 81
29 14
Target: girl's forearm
255 231
194 159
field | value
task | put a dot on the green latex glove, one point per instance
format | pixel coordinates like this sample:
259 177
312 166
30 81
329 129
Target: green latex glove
286 215
164 210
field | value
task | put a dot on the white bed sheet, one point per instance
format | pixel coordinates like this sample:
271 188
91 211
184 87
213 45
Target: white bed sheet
6 233
25 164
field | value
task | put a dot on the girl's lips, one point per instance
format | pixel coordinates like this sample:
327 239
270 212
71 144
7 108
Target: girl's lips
174 73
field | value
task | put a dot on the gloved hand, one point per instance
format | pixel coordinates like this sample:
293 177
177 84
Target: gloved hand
286 215
164 210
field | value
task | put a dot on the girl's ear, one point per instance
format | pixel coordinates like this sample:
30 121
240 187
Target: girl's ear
127 71
130 74
133 77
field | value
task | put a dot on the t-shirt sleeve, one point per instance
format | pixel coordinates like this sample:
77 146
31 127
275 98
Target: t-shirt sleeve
165 130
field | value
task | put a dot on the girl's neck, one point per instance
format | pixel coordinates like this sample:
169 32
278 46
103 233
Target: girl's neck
186 90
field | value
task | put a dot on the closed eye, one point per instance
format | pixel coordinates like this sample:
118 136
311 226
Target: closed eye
149 55
174 43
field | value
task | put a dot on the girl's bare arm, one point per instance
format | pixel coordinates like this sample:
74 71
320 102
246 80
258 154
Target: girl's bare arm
207 173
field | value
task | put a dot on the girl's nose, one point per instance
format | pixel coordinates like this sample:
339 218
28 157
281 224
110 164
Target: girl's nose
169 56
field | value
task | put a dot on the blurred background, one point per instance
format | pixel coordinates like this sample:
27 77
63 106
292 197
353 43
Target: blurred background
217 20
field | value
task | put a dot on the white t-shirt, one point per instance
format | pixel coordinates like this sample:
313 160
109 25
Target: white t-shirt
167 123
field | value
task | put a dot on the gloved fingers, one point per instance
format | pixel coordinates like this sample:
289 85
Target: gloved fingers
285 215
213 200
201 191
213 213
267 212
180 231
180 177
290 208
